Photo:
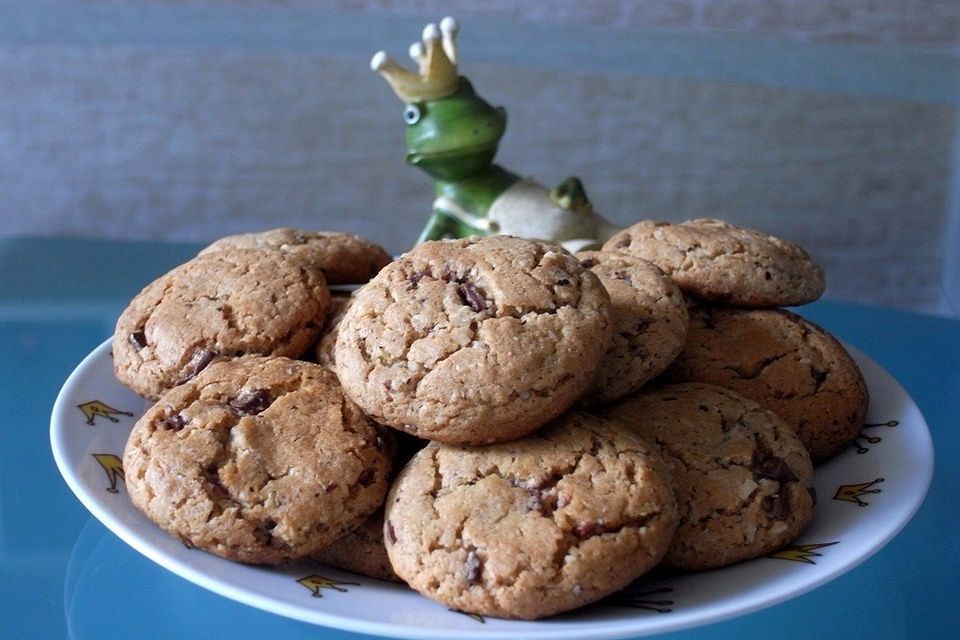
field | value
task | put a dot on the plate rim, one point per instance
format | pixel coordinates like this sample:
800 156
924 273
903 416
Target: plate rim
602 630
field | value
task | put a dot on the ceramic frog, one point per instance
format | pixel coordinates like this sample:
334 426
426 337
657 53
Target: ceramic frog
453 133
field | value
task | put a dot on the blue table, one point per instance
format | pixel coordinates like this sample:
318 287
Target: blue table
63 574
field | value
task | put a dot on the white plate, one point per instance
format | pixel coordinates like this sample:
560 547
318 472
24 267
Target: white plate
866 495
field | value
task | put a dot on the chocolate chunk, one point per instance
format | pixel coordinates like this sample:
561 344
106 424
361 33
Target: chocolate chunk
766 465
472 297
365 477
265 530
418 276
473 568
588 263
330 488
391 533
777 506
201 358
251 402
174 422
522 483
623 242
588 529
544 502
138 339
534 503
562 282
819 376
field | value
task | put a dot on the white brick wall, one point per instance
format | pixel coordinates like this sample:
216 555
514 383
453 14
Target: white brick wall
148 131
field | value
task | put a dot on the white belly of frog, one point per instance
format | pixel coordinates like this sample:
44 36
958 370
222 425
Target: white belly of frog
526 209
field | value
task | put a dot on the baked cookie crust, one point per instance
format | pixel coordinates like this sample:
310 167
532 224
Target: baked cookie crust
716 261
531 528
260 460
474 341
219 305
743 479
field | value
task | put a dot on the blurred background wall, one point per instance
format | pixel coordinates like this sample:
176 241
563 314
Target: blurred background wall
833 123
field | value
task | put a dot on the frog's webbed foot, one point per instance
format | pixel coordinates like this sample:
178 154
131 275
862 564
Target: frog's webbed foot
570 194
438 227
444 224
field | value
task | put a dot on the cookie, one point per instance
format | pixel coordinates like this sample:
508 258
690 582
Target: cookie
326 346
743 479
718 262
344 258
361 551
475 340
787 364
534 527
257 459
219 305
648 317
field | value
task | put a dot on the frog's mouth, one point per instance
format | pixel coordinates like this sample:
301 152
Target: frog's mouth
419 157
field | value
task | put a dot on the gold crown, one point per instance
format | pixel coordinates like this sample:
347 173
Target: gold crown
436 57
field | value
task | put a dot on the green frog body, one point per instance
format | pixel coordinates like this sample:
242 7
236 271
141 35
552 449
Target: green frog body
453 134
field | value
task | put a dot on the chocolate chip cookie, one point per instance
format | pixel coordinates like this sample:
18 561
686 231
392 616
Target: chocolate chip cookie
257 459
361 551
718 262
649 323
344 258
475 340
743 479
787 364
219 305
530 528
326 346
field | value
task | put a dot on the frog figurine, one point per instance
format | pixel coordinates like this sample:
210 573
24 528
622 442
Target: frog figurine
453 133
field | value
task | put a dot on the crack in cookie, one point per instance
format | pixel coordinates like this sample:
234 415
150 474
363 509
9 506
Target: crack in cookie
474 341
716 261
218 305
742 490
531 527
257 459
784 362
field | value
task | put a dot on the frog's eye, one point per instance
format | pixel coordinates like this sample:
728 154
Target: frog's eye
411 114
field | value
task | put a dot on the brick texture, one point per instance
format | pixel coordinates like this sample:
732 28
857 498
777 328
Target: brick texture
192 143
931 24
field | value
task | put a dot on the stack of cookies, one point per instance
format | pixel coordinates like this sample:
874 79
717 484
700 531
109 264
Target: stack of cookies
510 429
740 338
